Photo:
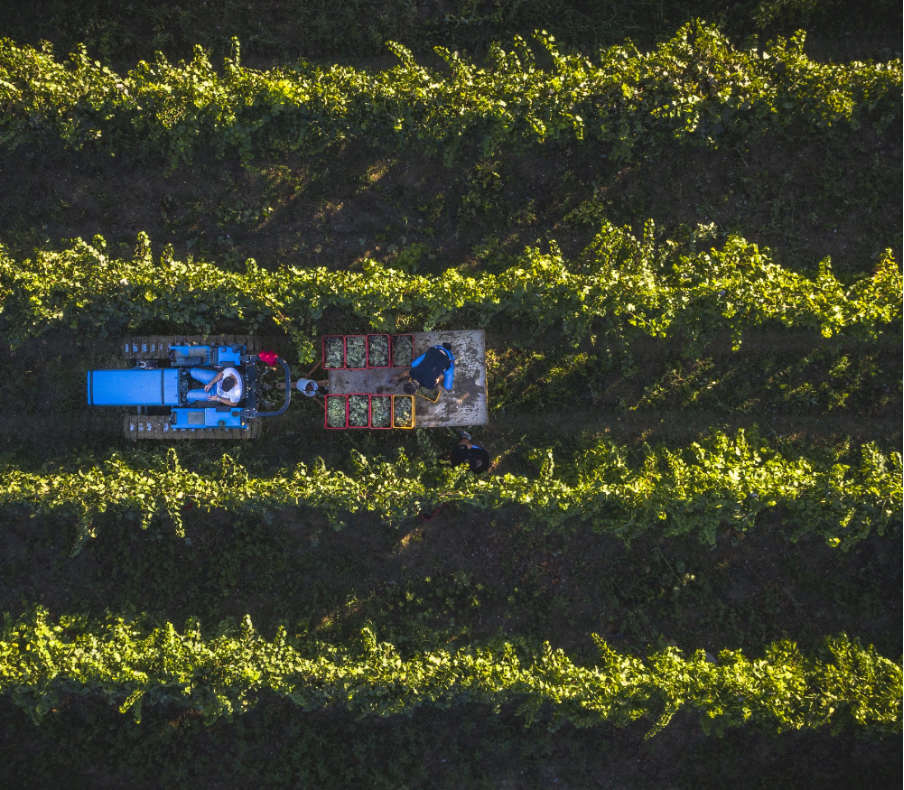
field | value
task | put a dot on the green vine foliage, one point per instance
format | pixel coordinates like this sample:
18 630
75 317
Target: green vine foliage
696 87
722 481
42 662
620 286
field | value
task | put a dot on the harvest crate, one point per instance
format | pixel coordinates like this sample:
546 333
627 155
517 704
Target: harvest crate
429 395
366 423
388 400
398 342
370 362
363 339
323 344
326 412
395 401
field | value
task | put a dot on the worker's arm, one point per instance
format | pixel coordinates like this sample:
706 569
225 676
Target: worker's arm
213 381
449 375
407 373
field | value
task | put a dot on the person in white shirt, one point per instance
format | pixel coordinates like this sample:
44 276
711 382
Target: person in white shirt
229 386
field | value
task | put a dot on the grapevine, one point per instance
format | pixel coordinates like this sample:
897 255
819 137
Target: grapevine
130 666
696 87
723 480
621 286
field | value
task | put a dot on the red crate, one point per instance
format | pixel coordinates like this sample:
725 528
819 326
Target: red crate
323 352
348 411
326 412
370 415
392 340
345 351
388 349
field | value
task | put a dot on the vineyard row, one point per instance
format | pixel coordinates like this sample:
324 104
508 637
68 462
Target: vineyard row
42 662
620 286
695 87
720 481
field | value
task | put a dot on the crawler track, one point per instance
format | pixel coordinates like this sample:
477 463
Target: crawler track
137 427
158 346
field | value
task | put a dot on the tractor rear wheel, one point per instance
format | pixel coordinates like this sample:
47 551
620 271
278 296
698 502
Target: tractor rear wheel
158 346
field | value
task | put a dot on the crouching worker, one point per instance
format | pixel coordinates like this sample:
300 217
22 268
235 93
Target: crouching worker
437 364
229 387
465 452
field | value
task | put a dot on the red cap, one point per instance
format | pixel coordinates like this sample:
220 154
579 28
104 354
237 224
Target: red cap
268 356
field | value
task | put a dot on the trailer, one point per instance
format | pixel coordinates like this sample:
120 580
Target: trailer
464 405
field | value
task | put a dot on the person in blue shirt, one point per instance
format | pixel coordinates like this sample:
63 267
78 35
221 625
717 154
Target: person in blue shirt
437 364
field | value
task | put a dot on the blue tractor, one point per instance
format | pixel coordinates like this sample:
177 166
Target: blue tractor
159 384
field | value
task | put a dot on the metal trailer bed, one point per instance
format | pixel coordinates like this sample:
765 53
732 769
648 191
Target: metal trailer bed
465 404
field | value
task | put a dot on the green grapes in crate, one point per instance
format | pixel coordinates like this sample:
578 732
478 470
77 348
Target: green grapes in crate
355 351
378 351
380 412
334 356
357 411
403 415
402 352
335 412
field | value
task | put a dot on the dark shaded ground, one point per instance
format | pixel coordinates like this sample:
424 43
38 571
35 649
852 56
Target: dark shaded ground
283 30
792 386
805 198
464 576
88 745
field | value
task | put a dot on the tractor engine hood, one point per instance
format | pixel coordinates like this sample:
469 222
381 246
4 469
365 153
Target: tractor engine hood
133 387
